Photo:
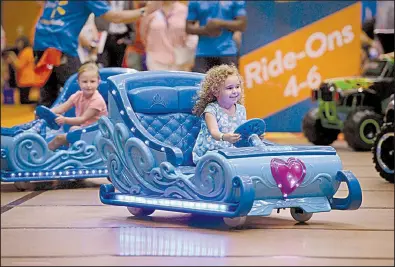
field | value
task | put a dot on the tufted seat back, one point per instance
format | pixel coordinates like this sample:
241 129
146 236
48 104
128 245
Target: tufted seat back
165 111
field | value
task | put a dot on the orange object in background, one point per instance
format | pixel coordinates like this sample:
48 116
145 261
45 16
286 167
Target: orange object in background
43 69
25 76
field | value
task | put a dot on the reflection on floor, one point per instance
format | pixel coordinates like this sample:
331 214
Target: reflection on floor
66 224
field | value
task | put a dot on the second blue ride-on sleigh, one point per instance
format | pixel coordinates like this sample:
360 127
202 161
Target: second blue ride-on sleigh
147 141
25 156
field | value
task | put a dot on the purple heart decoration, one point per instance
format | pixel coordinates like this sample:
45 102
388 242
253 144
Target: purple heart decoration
288 175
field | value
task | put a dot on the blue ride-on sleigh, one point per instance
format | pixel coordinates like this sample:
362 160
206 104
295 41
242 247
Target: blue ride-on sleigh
147 143
25 155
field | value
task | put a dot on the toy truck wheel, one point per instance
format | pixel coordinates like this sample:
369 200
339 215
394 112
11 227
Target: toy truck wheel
22 186
360 128
314 132
300 215
383 152
235 222
138 212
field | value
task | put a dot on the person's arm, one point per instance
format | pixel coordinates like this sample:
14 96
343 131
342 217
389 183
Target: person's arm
144 27
129 16
84 42
238 24
192 25
23 59
87 115
212 30
365 39
62 108
212 126
13 60
237 38
124 16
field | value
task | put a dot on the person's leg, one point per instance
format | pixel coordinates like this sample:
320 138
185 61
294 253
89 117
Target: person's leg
64 71
61 140
214 61
229 60
387 42
102 59
112 56
116 51
48 90
24 95
201 65
119 54
57 142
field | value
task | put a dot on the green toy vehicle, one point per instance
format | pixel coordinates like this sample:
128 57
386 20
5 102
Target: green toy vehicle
352 105
383 148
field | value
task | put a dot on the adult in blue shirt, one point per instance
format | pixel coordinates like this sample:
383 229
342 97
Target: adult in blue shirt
59 27
215 22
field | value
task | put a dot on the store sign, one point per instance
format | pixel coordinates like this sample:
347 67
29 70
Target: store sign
283 72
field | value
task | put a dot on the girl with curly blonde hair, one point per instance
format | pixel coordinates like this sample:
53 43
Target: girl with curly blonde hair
220 104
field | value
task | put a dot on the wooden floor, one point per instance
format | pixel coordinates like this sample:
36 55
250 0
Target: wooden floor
68 225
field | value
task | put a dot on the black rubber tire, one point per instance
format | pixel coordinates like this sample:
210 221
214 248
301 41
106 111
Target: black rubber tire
352 127
314 132
387 146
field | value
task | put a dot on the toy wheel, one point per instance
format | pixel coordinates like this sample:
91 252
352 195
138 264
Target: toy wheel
235 222
314 132
140 211
22 186
300 215
383 152
46 114
360 128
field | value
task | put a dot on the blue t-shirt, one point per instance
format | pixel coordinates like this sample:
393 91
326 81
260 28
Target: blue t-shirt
202 11
61 23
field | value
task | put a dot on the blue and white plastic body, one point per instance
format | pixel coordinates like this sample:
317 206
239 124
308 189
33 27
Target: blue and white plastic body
25 155
147 142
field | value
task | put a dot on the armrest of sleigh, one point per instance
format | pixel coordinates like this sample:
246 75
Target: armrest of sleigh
17 129
10 131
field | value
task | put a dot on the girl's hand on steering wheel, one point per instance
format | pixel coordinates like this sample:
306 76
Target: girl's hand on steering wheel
231 137
60 120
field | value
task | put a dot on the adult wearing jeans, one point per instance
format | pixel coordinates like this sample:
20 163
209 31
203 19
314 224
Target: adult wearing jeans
215 22
59 28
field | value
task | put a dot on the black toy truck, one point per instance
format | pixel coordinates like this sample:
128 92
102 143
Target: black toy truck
383 148
352 105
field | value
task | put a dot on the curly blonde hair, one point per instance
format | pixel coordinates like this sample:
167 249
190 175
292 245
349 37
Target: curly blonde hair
211 86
